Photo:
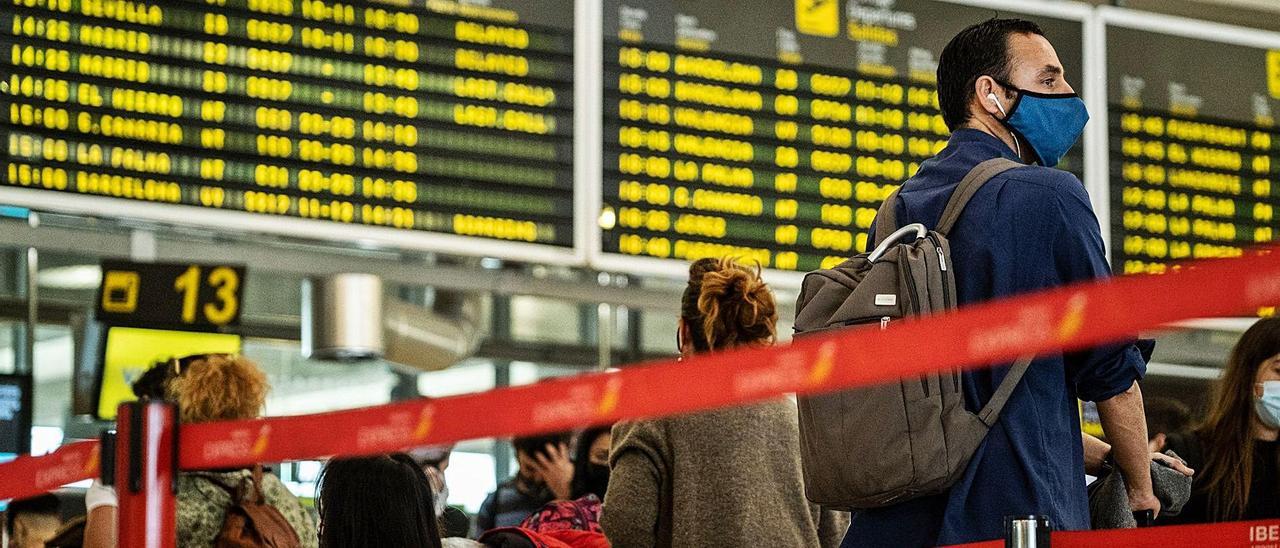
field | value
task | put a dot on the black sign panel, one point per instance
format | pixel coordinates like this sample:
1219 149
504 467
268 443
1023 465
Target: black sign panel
1194 147
15 414
441 116
773 131
189 297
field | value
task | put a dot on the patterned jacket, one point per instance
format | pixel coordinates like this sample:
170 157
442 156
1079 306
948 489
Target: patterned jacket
202 506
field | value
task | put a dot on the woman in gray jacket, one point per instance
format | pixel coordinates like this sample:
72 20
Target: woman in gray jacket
728 477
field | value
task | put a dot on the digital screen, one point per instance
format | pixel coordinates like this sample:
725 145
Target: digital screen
1194 147
773 132
433 116
15 414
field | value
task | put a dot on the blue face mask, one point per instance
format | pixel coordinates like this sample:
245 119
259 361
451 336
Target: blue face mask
1048 122
1268 405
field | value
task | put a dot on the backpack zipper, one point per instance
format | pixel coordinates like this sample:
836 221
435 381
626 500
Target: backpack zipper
911 286
884 322
946 293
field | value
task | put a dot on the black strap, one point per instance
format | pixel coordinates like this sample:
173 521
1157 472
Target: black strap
991 411
887 216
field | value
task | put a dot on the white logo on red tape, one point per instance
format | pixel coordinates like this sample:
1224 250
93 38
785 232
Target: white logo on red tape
581 401
785 373
68 469
1264 533
242 443
1032 326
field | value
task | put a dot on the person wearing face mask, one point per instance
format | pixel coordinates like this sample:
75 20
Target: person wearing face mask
434 460
1005 97
1236 445
591 463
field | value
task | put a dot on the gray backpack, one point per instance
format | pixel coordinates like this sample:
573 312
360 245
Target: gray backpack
881 445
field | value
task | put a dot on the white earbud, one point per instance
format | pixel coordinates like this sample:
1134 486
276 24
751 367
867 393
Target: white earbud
1016 145
992 96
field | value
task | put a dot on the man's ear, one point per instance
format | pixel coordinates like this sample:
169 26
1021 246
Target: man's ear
983 88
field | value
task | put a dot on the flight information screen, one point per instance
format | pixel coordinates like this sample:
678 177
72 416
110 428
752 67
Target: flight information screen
431 115
1194 147
773 132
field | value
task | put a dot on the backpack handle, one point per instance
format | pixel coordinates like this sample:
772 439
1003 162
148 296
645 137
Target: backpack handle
899 234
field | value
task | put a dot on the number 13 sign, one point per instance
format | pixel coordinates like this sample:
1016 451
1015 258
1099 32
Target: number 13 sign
192 297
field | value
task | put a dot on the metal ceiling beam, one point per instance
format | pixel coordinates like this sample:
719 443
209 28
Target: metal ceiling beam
316 261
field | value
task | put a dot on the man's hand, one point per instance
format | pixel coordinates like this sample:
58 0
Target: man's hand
557 470
1144 501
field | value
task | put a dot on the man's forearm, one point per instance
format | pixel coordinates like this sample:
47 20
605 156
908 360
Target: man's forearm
1125 424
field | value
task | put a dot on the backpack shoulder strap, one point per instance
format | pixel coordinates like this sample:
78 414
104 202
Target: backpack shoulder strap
886 218
236 491
969 186
991 411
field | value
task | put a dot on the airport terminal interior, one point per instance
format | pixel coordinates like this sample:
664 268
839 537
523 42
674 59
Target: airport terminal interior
385 201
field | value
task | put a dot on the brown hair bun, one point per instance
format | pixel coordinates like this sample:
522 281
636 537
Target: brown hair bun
726 304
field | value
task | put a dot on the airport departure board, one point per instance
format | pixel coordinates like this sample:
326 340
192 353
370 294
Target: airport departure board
773 131
430 115
1194 146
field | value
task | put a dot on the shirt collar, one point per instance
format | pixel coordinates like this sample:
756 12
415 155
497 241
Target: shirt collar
990 145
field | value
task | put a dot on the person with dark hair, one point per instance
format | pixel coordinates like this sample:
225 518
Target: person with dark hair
1004 94
545 475
205 388
31 522
591 462
1165 416
729 477
1236 445
384 500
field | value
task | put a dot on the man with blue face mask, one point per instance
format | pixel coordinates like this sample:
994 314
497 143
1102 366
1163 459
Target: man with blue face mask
1004 94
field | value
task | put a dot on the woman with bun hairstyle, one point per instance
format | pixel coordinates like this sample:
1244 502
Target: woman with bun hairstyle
729 477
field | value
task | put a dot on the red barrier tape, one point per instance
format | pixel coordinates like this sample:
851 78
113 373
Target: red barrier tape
31 476
1240 534
1063 319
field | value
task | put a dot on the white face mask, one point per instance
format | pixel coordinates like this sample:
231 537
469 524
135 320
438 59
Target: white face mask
1268 404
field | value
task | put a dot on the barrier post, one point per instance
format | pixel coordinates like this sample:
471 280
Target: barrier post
1027 532
146 474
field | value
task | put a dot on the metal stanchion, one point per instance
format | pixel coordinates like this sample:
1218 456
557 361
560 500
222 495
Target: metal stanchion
1027 531
146 474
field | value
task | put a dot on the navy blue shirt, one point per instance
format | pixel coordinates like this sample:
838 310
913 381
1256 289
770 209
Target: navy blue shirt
1027 229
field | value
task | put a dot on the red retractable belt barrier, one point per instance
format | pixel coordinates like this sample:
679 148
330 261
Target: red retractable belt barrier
1062 319
1239 534
31 476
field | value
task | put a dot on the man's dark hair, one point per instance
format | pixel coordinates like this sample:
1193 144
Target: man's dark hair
980 50
533 445
46 504
1166 416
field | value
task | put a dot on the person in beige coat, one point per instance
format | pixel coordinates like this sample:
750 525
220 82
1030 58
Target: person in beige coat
728 477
